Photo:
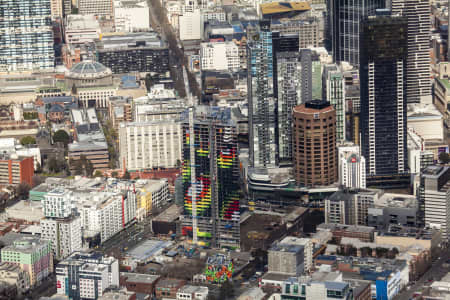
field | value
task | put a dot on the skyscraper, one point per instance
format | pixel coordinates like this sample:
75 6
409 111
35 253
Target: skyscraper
418 66
345 17
210 178
383 44
261 100
334 91
314 143
26 36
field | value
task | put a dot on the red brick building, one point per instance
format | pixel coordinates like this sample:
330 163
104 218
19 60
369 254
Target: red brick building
16 169
139 283
168 288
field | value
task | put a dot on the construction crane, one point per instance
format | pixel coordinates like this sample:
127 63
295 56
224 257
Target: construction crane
193 175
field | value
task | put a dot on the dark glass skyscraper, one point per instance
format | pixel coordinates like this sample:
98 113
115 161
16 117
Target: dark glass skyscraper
383 46
345 18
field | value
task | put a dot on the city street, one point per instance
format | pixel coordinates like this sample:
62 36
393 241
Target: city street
435 273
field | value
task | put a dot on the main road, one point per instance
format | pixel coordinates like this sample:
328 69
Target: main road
436 272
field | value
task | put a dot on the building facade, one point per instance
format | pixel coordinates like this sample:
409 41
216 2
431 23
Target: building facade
345 15
334 81
210 174
16 169
418 64
261 100
26 36
96 7
33 255
219 56
383 110
133 52
86 275
150 145
65 235
314 143
130 16
352 166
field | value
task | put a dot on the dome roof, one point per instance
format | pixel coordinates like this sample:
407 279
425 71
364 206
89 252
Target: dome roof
88 69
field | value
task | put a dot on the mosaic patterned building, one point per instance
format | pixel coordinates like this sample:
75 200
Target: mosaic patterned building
216 188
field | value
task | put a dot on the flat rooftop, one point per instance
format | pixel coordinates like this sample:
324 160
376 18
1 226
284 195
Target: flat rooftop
140 278
147 249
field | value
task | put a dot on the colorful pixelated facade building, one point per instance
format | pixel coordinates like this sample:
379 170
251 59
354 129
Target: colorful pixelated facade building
218 269
216 190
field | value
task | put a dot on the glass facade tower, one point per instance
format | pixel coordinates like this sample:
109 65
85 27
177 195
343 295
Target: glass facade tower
26 36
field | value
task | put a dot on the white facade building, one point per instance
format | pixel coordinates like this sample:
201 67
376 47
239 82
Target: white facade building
131 16
100 94
81 29
94 273
426 121
308 249
190 26
150 145
65 235
192 292
219 56
57 204
13 146
352 166
101 212
436 198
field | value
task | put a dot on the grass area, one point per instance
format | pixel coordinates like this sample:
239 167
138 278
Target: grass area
51 174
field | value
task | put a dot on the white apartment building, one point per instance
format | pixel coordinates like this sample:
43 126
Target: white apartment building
57 204
352 166
150 145
219 56
190 26
94 273
56 7
65 235
101 212
308 249
131 16
436 198
80 29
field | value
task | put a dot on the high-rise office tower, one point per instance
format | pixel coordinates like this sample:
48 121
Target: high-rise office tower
418 66
26 36
210 178
352 166
314 143
383 44
345 17
334 91
261 100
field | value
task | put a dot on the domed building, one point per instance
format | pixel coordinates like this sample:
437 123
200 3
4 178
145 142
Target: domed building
89 74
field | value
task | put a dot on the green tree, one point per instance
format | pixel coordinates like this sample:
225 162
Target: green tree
114 174
61 136
53 165
98 173
444 157
126 175
23 190
28 140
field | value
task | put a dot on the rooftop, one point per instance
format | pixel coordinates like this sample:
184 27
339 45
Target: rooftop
169 215
283 7
138 277
147 249
350 228
191 289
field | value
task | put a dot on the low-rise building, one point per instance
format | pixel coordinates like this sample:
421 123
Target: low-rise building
12 274
192 292
364 233
33 255
81 29
139 283
168 288
130 16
